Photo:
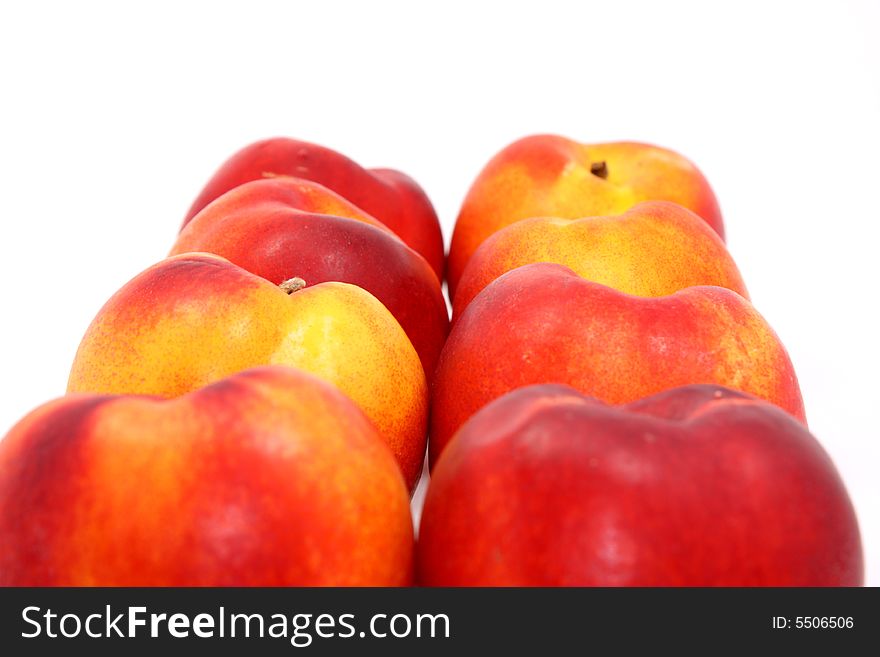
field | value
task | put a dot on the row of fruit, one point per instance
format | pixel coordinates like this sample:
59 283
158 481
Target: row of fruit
605 405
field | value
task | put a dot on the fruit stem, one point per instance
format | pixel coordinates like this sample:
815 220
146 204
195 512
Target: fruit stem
292 285
599 169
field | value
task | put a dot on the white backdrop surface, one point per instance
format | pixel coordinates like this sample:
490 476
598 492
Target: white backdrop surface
113 117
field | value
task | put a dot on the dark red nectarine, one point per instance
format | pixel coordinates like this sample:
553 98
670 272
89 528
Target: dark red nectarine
392 197
696 486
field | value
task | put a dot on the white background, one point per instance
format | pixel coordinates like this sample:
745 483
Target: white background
112 118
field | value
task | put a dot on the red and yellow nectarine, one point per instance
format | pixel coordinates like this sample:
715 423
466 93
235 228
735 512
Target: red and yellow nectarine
652 250
268 478
551 176
195 318
543 323
281 227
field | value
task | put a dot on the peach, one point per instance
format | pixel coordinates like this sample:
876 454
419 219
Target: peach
196 318
551 176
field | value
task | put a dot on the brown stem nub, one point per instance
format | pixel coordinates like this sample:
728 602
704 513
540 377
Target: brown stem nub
599 169
292 285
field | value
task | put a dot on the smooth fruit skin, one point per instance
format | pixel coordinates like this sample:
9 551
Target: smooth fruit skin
268 478
262 227
543 323
391 196
696 486
193 319
283 193
550 176
652 250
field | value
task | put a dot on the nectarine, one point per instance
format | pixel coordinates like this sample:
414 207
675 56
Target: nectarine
652 250
551 176
195 318
268 478
281 227
542 323
696 486
392 197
